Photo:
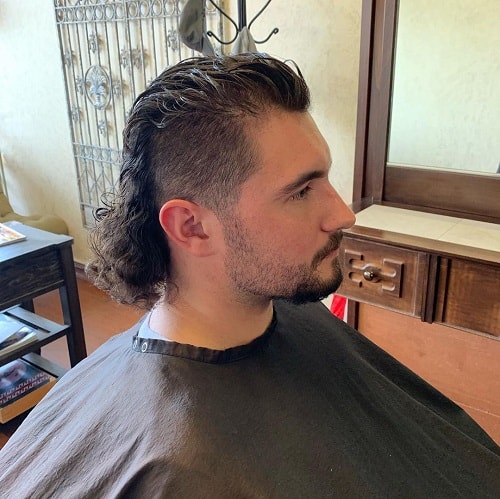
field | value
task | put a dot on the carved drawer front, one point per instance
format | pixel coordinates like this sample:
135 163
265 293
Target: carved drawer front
469 296
383 275
23 278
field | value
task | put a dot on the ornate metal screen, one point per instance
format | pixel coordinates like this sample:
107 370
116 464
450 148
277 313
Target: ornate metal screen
111 50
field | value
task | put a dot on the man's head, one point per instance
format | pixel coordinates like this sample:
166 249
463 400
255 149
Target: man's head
190 125
186 138
283 238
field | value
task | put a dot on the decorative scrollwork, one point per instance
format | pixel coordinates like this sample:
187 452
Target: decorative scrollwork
93 42
76 114
110 51
117 87
103 127
97 84
173 39
97 153
68 57
133 57
79 84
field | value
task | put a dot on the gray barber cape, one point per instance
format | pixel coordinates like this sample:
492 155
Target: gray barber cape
310 409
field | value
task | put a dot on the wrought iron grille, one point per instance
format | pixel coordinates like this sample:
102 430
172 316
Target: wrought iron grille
111 50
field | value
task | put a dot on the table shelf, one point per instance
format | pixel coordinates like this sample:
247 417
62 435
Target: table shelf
46 332
41 263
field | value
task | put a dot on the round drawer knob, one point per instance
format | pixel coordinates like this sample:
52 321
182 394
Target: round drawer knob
369 275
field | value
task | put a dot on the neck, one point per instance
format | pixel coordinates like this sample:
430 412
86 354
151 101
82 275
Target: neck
211 322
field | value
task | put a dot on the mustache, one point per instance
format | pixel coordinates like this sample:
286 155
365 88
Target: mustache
332 245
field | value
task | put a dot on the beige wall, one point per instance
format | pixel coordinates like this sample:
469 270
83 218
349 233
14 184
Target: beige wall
35 136
322 36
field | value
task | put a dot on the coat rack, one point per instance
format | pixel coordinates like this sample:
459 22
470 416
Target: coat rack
193 32
242 22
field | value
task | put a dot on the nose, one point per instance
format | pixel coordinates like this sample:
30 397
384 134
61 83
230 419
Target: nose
338 215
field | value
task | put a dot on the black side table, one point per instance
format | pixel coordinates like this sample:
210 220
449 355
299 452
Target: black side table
30 268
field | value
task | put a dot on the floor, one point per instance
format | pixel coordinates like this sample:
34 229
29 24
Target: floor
102 318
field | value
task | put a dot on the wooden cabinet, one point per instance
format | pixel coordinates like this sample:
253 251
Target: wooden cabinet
385 275
432 304
459 287
425 285
468 295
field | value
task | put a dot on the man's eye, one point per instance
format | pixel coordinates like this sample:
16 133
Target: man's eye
302 194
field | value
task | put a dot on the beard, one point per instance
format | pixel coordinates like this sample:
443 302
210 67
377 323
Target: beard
257 271
314 288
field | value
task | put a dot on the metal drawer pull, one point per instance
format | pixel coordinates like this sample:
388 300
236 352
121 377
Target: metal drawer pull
369 275
384 278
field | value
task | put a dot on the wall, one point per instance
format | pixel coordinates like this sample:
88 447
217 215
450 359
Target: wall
35 136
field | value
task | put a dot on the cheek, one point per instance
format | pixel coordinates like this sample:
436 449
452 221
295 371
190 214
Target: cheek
292 237
295 244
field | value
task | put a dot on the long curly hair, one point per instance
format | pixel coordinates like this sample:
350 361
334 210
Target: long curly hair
185 138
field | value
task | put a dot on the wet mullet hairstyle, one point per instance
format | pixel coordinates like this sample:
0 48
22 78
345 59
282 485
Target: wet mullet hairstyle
186 139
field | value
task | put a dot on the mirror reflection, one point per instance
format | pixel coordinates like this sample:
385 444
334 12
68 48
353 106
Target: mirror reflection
446 90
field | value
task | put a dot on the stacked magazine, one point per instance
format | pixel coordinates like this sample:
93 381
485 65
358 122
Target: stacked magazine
14 334
22 386
22 383
8 235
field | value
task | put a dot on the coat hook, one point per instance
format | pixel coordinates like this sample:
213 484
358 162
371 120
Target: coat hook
242 22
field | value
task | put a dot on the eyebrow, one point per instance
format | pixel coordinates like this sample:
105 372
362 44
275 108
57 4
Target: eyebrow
300 181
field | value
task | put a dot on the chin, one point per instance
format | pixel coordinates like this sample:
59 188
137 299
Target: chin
313 292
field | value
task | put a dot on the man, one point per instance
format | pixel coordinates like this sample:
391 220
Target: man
235 384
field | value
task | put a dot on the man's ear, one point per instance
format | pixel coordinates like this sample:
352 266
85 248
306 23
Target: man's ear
187 225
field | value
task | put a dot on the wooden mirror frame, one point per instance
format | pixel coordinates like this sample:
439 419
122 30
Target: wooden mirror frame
458 194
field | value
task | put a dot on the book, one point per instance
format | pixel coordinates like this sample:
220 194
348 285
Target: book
8 235
22 386
14 334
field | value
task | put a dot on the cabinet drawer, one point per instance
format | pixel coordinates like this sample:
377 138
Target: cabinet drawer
469 296
384 275
29 275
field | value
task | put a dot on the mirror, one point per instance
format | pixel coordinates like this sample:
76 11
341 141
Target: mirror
446 85
468 188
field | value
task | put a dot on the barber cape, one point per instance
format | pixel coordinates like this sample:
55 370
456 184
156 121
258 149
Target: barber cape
310 409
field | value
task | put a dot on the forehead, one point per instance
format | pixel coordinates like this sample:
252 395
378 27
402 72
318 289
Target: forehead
287 145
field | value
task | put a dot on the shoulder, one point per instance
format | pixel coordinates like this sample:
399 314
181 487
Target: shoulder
343 352
116 403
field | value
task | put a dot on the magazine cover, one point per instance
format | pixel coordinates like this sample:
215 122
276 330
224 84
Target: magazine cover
22 386
13 334
9 235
